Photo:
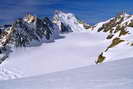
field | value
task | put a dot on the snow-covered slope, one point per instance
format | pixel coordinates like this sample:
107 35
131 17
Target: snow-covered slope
118 31
106 41
73 50
111 75
70 51
67 22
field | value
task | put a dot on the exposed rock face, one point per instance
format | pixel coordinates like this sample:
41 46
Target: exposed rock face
28 31
64 28
3 27
30 19
117 24
117 29
53 27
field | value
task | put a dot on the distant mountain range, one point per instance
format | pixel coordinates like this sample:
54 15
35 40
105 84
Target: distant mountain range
32 30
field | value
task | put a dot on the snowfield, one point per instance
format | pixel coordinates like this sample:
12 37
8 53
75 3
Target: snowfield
110 75
73 50
69 60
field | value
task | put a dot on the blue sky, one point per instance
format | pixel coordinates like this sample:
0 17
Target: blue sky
90 11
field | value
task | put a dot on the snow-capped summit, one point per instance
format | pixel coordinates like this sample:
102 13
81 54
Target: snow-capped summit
68 22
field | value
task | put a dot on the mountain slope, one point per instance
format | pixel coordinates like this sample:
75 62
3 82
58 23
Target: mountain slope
25 32
67 22
118 31
106 41
111 75
73 50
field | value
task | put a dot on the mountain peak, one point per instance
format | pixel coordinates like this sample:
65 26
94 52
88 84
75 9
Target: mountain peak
123 14
60 13
70 21
29 18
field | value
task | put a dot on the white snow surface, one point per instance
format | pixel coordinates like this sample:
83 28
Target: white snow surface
111 75
72 50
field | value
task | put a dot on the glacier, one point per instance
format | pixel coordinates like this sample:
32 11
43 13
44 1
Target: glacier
62 53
